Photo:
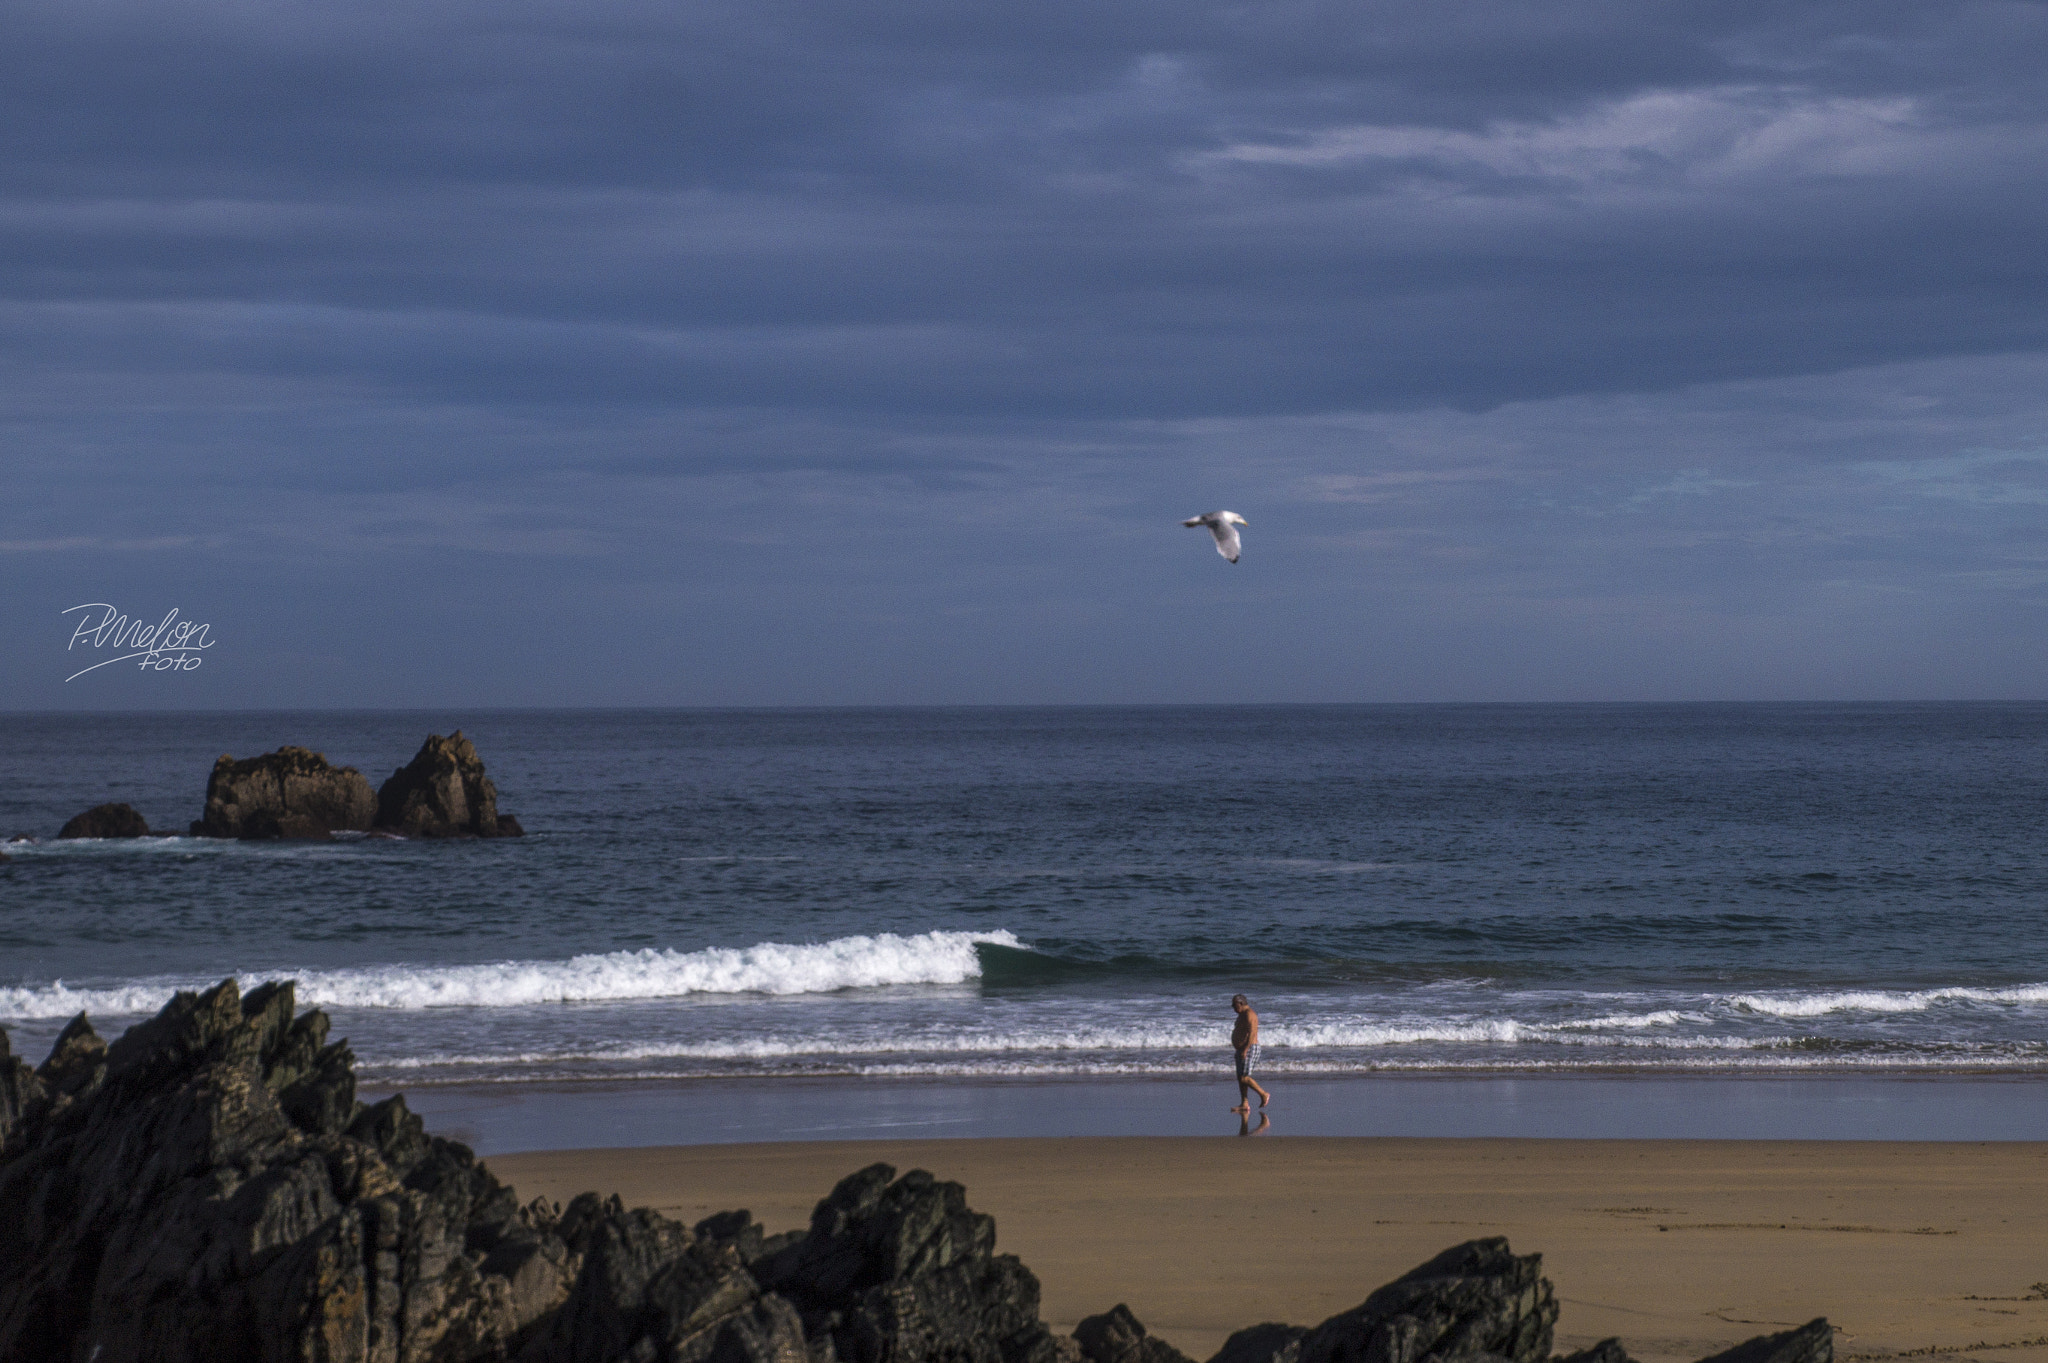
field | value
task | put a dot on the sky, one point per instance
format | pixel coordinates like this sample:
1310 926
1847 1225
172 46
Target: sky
529 352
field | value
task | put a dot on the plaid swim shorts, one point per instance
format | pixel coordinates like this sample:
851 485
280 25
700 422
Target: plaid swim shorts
1247 1060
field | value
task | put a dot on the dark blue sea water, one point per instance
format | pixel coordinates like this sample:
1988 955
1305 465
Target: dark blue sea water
993 892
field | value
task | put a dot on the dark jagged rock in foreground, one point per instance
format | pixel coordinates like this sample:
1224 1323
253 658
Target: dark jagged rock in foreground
1813 1342
1478 1300
1116 1336
290 793
901 1271
443 793
209 1188
18 1088
1606 1351
106 821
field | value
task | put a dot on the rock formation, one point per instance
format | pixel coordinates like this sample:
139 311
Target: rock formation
106 821
1813 1342
209 1188
1478 1299
290 793
1116 1336
443 793
19 1089
899 1270
1606 1351
1477 1302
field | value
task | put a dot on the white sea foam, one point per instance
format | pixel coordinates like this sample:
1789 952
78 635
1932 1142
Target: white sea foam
59 1000
489 1028
1882 1000
1662 1017
123 847
1281 1044
769 968
452 1070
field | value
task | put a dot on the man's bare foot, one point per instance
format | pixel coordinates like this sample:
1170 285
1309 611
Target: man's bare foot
1243 1107
1264 1099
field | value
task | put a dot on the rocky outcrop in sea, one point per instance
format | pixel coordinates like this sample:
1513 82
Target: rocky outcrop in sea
208 1187
291 793
296 793
443 793
106 821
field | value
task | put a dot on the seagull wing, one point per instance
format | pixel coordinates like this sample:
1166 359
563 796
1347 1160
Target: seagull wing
1226 539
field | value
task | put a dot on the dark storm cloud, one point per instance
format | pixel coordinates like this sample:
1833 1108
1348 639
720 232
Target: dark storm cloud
1077 210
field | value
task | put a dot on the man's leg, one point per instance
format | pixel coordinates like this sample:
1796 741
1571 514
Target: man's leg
1244 1100
1264 1097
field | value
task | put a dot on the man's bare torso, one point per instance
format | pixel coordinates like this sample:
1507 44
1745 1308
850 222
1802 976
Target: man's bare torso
1245 1032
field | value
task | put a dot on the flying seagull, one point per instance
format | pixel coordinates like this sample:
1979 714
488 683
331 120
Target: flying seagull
1223 525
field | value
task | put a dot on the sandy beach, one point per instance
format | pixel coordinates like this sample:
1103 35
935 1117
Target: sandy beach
1678 1247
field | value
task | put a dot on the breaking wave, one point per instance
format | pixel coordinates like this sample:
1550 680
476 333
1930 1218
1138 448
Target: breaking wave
1882 1000
767 968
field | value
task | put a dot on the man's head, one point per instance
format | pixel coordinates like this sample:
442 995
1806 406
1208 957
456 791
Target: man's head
1240 1002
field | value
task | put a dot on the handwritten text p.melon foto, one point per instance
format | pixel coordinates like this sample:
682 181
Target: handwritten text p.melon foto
170 645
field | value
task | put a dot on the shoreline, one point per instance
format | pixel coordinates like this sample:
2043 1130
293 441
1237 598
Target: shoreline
501 1119
1679 1247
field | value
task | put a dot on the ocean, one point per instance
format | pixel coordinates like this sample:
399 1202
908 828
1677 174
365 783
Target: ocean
1073 893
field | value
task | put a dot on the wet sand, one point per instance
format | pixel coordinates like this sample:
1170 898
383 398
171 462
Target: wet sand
495 1119
1679 1247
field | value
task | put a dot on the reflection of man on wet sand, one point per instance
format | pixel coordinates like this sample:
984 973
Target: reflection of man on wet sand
1244 1040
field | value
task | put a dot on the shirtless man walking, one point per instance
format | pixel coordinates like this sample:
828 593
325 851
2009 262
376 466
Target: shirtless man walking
1244 1041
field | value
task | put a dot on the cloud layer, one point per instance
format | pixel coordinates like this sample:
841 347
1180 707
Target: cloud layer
860 353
